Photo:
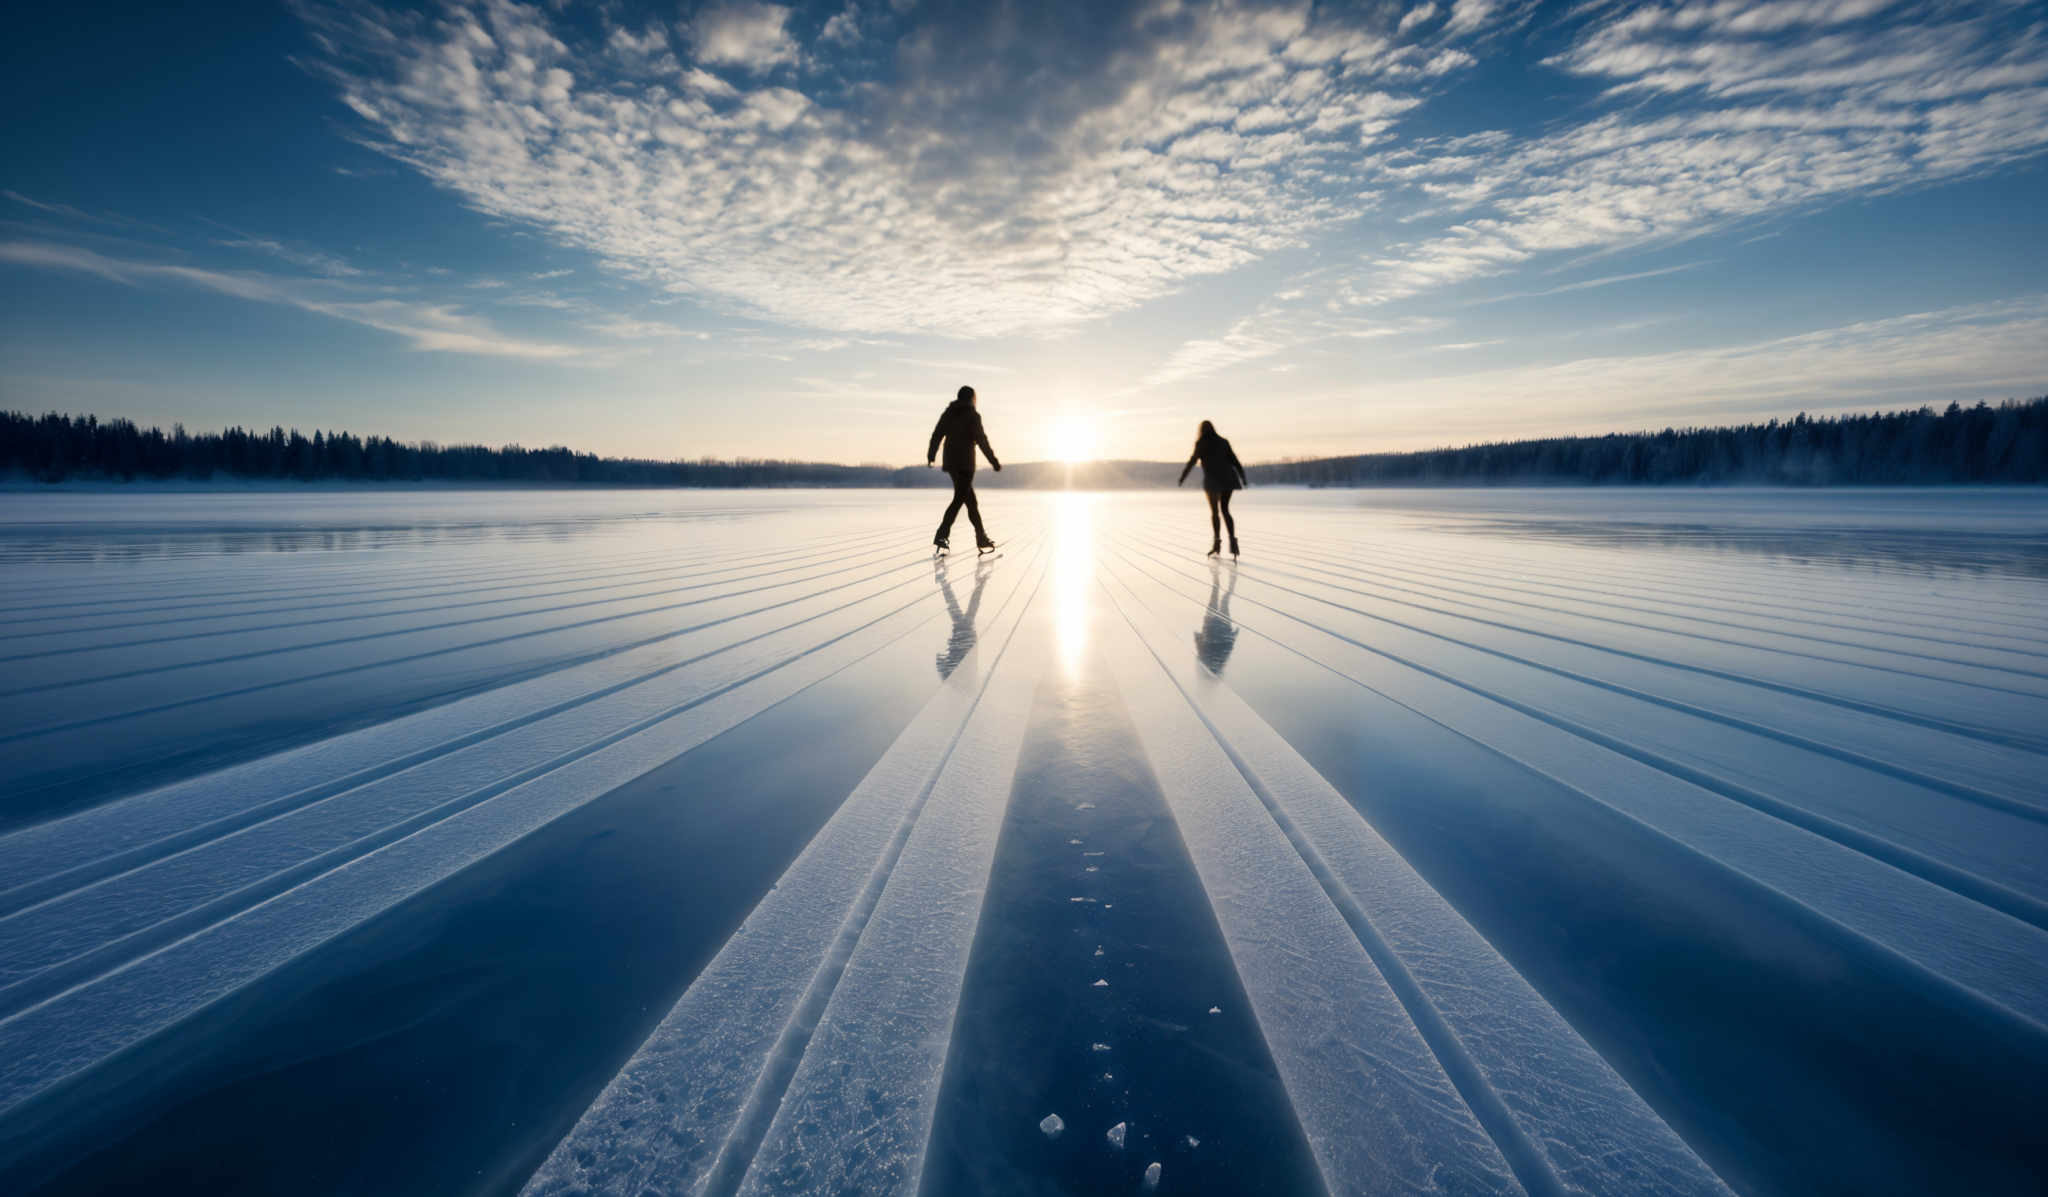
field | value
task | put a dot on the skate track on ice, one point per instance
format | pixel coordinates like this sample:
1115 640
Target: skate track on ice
1858 751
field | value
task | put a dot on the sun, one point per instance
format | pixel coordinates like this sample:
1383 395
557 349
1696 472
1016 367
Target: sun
1074 439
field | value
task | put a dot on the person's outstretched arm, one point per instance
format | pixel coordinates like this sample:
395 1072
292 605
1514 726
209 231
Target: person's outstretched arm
1189 466
981 438
938 434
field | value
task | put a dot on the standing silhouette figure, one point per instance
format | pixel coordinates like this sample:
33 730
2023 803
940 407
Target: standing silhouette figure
959 427
1221 475
1218 634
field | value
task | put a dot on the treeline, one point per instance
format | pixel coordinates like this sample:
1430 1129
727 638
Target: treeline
2007 443
52 448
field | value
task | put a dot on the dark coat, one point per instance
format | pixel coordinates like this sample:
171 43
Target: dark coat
960 427
1221 471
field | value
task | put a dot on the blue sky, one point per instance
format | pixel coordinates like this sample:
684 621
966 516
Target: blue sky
764 230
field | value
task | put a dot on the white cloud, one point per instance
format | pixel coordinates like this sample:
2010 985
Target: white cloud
984 192
309 259
751 36
1771 109
433 326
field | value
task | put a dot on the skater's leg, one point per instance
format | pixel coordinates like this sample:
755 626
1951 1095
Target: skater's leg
1215 522
1223 502
952 509
966 485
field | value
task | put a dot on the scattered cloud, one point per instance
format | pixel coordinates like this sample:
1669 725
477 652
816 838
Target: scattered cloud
1011 176
753 37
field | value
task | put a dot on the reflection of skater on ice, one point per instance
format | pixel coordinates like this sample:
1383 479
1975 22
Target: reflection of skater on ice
1217 635
961 641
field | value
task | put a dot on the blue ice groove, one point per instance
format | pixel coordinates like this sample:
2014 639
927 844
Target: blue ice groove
1594 1133
136 829
48 944
1944 936
1377 1108
698 1095
84 1024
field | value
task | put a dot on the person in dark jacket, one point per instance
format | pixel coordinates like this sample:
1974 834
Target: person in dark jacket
1221 474
959 427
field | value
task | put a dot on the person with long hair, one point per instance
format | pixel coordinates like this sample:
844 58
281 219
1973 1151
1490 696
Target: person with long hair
1222 474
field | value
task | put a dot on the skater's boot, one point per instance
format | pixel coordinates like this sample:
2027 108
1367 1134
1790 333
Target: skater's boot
938 546
1215 546
1233 546
983 544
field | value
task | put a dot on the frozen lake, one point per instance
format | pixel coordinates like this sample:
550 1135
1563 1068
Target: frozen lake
1549 841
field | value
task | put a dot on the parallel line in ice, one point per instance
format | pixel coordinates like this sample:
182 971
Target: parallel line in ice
2014 740
1429 583
1489 557
1988 891
578 658
1373 1099
847 1101
1332 581
1955 789
109 895
46 1043
52 858
1589 1131
701 579
733 1038
415 582
746 587
1936 935
47 942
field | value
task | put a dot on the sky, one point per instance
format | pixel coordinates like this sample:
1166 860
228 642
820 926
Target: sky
761 230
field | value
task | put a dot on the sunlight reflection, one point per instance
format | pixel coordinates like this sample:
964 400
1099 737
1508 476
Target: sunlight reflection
1073 574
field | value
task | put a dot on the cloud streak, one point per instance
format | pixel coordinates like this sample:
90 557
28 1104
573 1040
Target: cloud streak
429 326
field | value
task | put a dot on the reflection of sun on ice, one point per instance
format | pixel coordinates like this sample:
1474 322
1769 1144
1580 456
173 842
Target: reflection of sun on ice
1074 439
1073 573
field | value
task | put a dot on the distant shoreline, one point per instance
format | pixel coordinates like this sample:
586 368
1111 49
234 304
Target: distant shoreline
233 486
1982 444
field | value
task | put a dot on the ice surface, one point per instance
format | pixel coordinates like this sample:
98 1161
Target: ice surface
234 728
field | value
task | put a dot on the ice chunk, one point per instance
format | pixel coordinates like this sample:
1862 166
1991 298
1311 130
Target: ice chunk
1151 1176
1051 1125
1100 984
1099 1047
1116 1136
1193 1142
1215 1009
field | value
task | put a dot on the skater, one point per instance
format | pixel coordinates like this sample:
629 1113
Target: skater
960 428
1221 474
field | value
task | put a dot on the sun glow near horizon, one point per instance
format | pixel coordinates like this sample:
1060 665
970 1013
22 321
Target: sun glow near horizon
1074 438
